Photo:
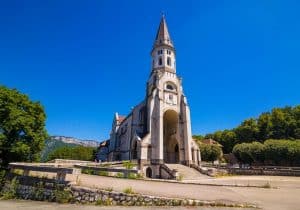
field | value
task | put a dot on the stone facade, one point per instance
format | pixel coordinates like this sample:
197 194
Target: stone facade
157 130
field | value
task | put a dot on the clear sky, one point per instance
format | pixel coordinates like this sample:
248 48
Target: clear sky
85 60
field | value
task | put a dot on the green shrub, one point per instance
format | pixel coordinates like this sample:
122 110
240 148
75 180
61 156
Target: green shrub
278 152
39 191
2 178
62 195
107 202
103 173
10 191
210 152
132 176
120 175
128 190
87 171
139 176
74 153
249 152
128 164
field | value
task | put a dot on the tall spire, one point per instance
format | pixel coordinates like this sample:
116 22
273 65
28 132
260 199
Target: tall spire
163 52
163 36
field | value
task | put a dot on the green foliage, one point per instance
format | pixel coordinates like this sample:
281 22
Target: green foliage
128 190
10 192
107 202
249 152
87 171
198 137
2 178
120 175
280 123
139 176
103 173
278 152
74 153
132 176
210 152
283 151
127 164
180 177
22 127
109 189
62 195
247 131
39 191
51 145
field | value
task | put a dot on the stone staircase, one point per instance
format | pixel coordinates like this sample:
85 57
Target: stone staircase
187 173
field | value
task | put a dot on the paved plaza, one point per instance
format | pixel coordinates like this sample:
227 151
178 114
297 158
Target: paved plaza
283 194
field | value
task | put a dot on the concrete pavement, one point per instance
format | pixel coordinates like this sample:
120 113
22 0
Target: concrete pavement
284 197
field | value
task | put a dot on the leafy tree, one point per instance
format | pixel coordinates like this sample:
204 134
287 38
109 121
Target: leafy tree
242 153
210 152
198 137
280 123
22 127
264 126
73 153
277 152
228 140
247 131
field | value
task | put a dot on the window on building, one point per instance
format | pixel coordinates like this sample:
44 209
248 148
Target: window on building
169 61
160 61
170 87
170 97
160 52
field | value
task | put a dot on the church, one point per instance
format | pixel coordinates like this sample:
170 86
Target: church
157 131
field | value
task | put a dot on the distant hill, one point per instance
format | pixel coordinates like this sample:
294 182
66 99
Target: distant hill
55 142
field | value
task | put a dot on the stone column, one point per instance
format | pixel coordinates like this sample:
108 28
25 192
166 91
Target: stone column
199 157
196 157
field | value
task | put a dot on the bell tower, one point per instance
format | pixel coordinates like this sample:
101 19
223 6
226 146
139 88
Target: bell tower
163 51
169 123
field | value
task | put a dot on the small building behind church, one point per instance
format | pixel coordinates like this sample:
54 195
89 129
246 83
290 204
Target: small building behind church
157 131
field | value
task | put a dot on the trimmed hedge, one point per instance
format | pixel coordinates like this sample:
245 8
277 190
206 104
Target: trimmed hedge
210 152
273 152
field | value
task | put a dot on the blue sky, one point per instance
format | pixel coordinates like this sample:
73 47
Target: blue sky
85 60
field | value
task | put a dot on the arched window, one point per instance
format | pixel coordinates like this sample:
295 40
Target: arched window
160 61
170 86
169 61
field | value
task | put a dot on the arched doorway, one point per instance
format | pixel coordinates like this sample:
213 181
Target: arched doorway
171 148
149 172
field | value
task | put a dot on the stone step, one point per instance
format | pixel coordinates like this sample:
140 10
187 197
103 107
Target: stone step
187 173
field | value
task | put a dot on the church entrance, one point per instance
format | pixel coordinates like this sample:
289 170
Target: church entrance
171 147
